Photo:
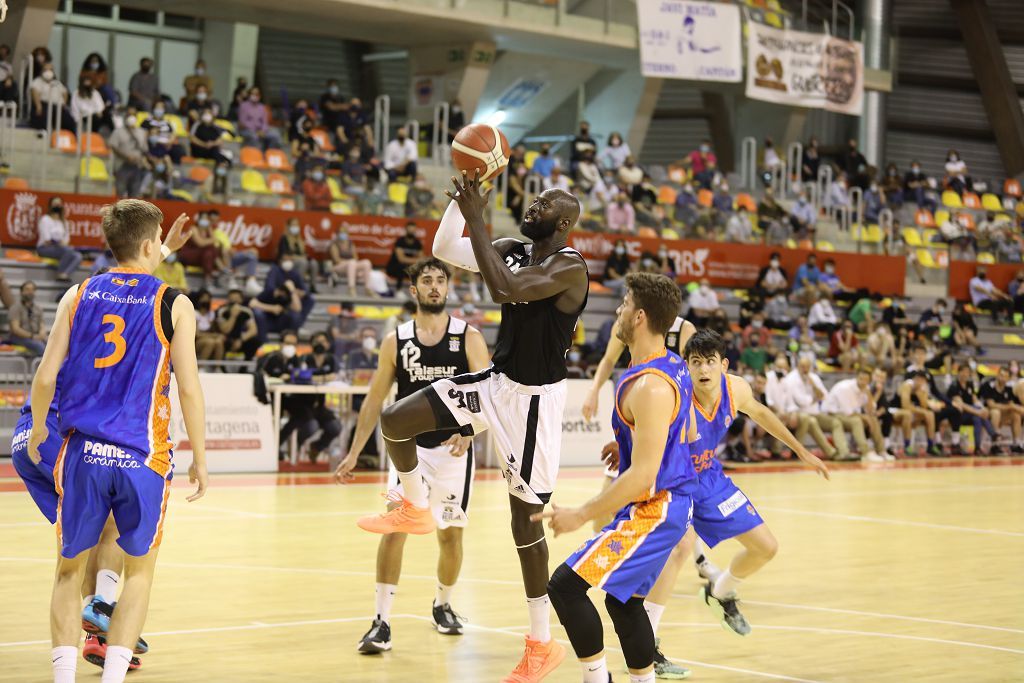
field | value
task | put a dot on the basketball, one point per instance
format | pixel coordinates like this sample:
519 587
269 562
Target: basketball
482 148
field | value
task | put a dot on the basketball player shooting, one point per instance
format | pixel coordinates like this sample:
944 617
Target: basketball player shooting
542 288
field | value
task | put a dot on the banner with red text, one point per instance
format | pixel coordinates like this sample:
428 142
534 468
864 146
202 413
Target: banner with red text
961 272
248 227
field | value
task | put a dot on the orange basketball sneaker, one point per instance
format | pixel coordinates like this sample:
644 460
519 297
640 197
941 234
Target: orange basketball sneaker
538 661
406 518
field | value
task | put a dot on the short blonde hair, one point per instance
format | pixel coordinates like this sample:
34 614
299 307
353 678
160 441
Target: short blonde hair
127 223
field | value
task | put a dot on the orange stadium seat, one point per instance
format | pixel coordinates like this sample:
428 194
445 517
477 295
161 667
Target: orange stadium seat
746 202
971 200
253 157
278 183
199 174
1011 188
15 183
966 221
649 233
705 197
323 138
924 218
278 160
666 195
65 141
286 204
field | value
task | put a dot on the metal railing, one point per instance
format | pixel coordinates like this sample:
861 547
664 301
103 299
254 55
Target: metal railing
412 127
47 142
817 12
8 120
500 192
531 188
439 149
885 222
824 183
855 212
381 122
25 75
778 180
748 163
794 161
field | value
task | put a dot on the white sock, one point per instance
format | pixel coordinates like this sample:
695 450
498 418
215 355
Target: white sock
595 671
65 659
443 595
654 614
385 596
413 487
642 678
115 668
106 585
540 618
700 552
725 585
956 438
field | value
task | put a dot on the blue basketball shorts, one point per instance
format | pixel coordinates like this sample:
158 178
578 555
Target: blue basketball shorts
721 510
38 478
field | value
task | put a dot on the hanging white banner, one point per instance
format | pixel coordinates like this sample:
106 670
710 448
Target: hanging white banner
689 40
804 69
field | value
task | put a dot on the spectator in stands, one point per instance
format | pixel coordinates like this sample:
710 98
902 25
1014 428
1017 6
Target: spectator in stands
130 147
965 330
297 117
197 103
1016 290
333 106
197 80
344 259
89 109
822 317
354 173
843 347
209 339
773 278
232 262
206 139
703 163
964 398
201 250
987 297
703 304
419 203
401 156
172 273
254 123
291 247
55 240
364 355
48 93
738 228
616 268
770 216
895 316
776 312
344 330
849 402
237 323
838 197
665 265
754 355
556 181
881 349
144 86
874 202
629 175
802 217
163 141
801 332
861 314
238 96
956 172
892 187
26 319
217 185
770 161
285 300
756 329
1004 407
917 396
407 250
810 162
915 187
721 205
802 392
1008 248
588 176
615 154
854 165
355 126
545 162
808 278
456 119
95 68
8 88
932 318
316 193
582 144
620 215
6 68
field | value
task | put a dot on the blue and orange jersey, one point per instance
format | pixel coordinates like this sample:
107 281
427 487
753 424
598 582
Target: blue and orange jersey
676 472
712 424
115 382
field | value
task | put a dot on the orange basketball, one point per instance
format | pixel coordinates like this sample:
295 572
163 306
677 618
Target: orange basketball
482 148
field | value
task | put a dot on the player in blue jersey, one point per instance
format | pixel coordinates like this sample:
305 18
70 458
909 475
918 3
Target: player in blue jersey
653 422
106 560
111 349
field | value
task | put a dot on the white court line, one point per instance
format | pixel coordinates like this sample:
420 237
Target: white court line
895 522
859 613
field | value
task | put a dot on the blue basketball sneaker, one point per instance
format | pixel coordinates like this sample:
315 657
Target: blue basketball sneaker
96 620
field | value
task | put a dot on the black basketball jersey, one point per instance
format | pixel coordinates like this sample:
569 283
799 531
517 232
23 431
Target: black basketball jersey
534 336
674 336
417 365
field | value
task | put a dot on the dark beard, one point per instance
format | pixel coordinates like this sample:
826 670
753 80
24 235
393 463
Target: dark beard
537 230
427 307
625 336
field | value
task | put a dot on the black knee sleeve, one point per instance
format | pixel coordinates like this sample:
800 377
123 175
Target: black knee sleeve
568 594
633 627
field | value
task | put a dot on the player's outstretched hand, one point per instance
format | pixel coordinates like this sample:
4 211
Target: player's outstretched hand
468 196
811 460
343 472
610 455
36 439
590 406
177 236
563 520
197 475
458 444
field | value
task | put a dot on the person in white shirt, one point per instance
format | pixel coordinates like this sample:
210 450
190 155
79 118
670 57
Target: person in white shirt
703 303
556 181
956 172
803 391
400 156
987 297
55 238
87 103
46 92
850 403
614 155
822 317
738 228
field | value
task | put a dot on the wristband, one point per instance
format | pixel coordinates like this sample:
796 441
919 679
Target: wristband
164 252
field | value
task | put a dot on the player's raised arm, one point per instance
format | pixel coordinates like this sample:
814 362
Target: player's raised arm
369 413
449 244
603 373
190 392
762 415
528 283
44 384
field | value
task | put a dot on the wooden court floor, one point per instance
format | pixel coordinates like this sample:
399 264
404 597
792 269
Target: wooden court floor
884 574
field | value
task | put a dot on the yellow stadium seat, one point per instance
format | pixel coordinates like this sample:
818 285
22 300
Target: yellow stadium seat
531 156
341 208
791 243
928 238
336 193
177 124
1013 340
990 202
912 237
182 195
423 150
941 217
825 245
952 200
94 170
253 181
924 257
669 234
398 193
986 257
229 129
872 235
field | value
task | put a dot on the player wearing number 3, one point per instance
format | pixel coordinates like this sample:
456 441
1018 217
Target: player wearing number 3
111 349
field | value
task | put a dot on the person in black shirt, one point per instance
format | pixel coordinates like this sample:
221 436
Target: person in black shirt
407 250
855 165
932 319
310 413
238 324
616 268
965 399
1005 408
354 126
582 144
895 316
206 139
332 108
965 330
456 120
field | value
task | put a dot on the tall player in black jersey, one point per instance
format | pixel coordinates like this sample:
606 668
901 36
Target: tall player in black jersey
542 288
431 346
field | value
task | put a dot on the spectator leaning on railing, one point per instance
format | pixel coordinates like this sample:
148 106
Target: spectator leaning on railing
55 240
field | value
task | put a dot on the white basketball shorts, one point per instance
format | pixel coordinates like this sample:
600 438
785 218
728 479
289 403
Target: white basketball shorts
449 479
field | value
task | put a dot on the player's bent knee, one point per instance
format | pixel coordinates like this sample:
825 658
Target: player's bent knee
565 584
633 627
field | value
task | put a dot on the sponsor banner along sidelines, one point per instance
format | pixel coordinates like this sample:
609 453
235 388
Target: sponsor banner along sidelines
582 439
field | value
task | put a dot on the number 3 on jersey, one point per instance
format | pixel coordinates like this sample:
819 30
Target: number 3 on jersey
114 336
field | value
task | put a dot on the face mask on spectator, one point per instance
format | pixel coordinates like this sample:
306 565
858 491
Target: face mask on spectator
755 342
27 298
222 170
574 356
915 169
318 175
320 347
369 344
619 251
130 121
158 113
705 149
775 263
204 304
288 350
333 90
468 309
57 208
200 96
254 97
343 237
200 70
293 229
160 168
207 118
756 324
705 289
830 269
203 222
287 265
94 65
456 109
48 75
